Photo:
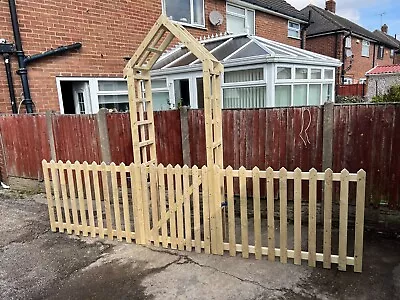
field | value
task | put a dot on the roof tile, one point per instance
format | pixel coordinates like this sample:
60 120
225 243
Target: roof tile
393 69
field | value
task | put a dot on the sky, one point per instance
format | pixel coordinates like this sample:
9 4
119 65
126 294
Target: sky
363 12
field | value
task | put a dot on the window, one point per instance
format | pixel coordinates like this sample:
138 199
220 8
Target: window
362 81
365 48
381 52
244 89
239 19
113 95
348 80
293 30
160 94
392 52
348 42
185 11
310 86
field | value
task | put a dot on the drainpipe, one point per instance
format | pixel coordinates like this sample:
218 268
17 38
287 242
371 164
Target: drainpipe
374 57
22 71
343 54
52 52
10 82
304 31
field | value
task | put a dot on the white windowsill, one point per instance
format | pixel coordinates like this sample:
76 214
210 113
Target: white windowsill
295 38
202 27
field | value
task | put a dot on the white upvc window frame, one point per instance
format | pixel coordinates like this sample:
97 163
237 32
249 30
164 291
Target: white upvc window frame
93 90
365 44
293 81
381 52
348 42
246 84
246 11
191 23
297 30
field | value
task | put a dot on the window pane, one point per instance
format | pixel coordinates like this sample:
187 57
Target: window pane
244 75
294 25
328 74
300 94
301 73
293 33
250 22
283 95
284 73
235 24
315 94
161 101
327 93
159 83
198 8
117 103
247 97
178 10
316 74
112 86
235 9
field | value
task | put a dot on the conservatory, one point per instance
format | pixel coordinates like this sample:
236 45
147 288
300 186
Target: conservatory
258 73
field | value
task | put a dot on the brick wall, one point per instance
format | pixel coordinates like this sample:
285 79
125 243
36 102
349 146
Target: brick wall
274 28
108 30
360 65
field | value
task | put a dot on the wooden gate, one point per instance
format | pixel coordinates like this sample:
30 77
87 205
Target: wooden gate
175 207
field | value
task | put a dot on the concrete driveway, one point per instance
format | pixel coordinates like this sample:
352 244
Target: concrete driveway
38 264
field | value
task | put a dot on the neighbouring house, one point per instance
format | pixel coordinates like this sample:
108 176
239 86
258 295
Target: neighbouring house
381 78
84 81
257 73
383 35
358 48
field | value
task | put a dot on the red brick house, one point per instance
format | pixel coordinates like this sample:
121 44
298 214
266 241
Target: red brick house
358 48
81 80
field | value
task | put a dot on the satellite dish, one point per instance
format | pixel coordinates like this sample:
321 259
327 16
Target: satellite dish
349 53
216 18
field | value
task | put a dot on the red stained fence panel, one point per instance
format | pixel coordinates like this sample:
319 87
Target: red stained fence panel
352 90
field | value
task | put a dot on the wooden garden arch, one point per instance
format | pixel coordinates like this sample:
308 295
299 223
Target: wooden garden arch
137 73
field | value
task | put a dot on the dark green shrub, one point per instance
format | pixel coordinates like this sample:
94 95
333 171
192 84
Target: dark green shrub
349 99
393 95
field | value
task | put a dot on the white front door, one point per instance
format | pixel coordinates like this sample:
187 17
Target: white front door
81 94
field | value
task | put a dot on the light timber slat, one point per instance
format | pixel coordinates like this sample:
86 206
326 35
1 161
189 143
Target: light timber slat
146 143
218 192
179 204
145 203
328 188
283 214
163 208
211 202
196 209
138 206
151 49
343 217
187 209
206 210
89 198
107 204
231 212
141 77
171 202
257 212
49 197
312 219
55 174
243 213
359 226
154 202
297 217
82 209
115 194
125 205
271 212
150 117
99 211
71 189
145 122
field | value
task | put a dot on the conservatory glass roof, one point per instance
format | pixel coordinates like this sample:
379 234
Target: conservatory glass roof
238 50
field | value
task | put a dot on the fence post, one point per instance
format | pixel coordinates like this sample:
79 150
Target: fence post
185 136
105 151
327 146
50 135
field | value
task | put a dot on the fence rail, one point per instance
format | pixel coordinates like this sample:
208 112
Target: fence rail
197 209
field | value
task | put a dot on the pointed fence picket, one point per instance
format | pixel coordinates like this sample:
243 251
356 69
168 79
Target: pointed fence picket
176 207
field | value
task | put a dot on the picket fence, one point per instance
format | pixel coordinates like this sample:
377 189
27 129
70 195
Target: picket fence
197 209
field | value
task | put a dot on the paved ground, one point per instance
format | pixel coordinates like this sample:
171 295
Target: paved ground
38 264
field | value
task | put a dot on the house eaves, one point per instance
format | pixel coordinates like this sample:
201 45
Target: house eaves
277 8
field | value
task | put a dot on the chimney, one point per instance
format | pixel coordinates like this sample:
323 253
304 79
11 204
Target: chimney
330 5
385 28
